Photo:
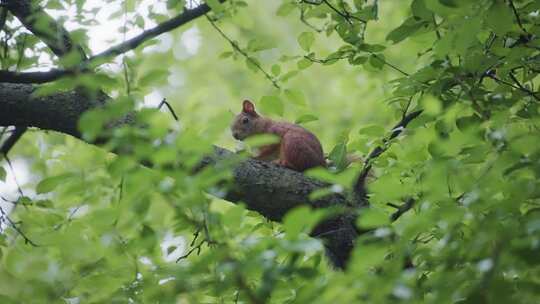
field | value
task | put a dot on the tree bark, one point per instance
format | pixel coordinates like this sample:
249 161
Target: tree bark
264 187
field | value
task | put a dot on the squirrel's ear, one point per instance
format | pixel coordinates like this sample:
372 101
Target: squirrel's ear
249 108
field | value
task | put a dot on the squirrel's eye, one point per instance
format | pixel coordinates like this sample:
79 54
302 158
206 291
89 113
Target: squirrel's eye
245 120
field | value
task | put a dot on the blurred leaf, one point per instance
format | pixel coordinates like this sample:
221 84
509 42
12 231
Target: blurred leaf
50 183
296 97
306 118
3 174
271 105
372 218
406 29
305 40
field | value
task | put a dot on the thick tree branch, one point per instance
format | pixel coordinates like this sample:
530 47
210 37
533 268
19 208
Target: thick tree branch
41 77
37 21
33 77
264 187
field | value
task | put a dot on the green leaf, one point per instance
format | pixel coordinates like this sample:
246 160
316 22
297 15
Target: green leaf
50 183
338 155
372 218
306 118
152 77
300 219
215 5
305 40
285 9
376 61
432 106
304 63
276 70
372 130
3 174
226 54
252 63
296 97
420 10
262 140
406 29
257 45
499 18
271 105
91 124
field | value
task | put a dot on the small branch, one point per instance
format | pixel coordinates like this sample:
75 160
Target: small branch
186 16
198 247
390 65
519 87
518 19
12 140
14 226
3 17
164 102
522 88
409 203
345 15
10 165
54 74
359 187
304 21
437 32
239 49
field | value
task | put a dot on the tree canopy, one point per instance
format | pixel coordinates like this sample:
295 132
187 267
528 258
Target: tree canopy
117 114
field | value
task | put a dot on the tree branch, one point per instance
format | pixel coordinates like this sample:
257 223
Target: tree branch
264 187
409 203
42 77
33 77
236 47
12 140
57 38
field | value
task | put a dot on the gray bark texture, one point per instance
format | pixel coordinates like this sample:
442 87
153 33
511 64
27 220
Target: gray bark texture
263 187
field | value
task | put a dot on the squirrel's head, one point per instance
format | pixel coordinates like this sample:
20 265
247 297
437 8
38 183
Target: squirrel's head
247 122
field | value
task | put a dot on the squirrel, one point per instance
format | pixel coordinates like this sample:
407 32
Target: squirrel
298 149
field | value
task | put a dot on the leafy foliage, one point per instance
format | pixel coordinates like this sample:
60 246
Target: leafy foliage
110 230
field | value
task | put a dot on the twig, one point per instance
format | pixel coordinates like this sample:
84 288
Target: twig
19 189
304 21
164 102
437 32
126 76
390 65
12 140
518 19
409 203
239 49
198 247
19 231
520 87
359 186
3 17
345 15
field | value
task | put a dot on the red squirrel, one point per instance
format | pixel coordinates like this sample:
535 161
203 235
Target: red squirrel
298 149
